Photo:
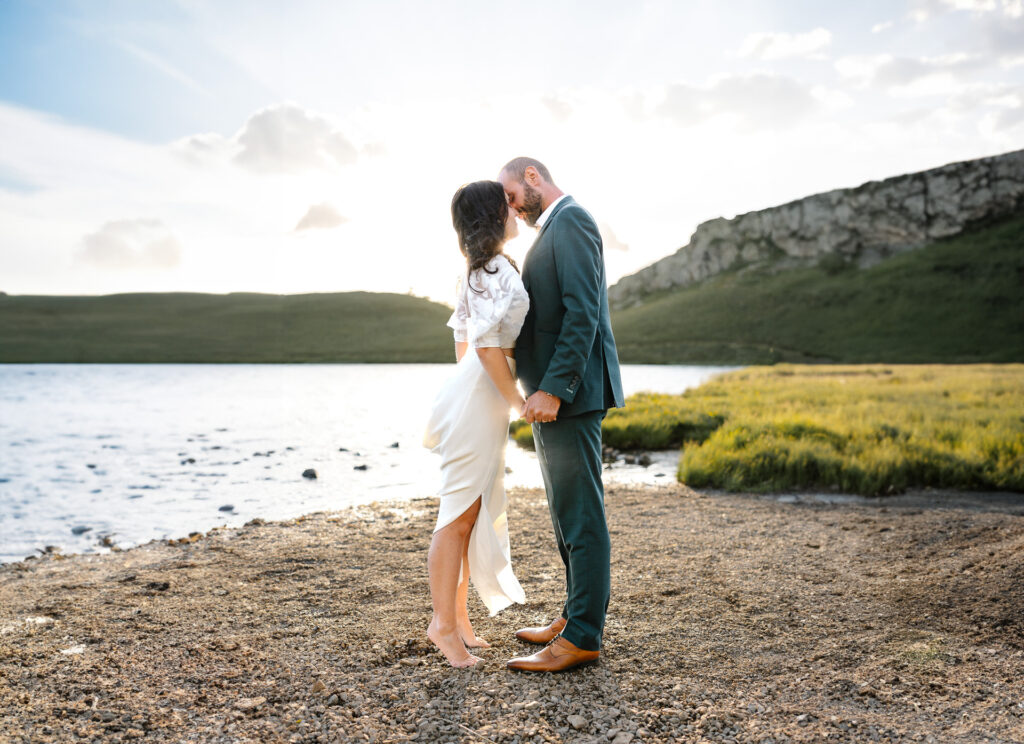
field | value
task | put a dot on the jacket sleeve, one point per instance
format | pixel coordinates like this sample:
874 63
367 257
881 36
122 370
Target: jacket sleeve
578 259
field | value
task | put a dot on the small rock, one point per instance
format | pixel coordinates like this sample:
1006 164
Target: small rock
80 529
334 700
577 722
189 461
247 705
309 473
361 467
90 465
623 737
507 470
318 686
159 586
226 508
254 522
342 449
644 459
394 445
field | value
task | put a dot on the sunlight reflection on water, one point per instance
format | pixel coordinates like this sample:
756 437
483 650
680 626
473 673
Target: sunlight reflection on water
153 451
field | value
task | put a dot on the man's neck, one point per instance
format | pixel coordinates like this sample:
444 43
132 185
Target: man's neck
549 198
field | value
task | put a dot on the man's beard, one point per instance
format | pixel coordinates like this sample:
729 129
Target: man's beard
531 210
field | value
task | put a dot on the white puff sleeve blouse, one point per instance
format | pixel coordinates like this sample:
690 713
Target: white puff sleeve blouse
490 311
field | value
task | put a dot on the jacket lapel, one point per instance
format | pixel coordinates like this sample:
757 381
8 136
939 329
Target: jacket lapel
558 208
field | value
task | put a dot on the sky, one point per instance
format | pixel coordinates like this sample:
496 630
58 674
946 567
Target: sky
223 145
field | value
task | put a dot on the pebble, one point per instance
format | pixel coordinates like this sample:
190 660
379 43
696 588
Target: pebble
247 705
623 737
80 529
577 722
226 508
361 467
309 473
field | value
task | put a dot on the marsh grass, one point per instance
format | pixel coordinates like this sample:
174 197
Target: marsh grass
868 430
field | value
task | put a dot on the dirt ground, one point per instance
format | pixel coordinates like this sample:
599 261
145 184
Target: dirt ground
733 619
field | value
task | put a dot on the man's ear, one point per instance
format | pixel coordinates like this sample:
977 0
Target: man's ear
531 176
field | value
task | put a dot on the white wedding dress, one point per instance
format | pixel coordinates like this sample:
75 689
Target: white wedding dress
468 427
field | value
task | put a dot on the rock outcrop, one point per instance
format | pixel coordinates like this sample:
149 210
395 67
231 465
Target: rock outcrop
860 226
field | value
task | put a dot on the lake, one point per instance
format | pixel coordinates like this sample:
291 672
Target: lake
142 452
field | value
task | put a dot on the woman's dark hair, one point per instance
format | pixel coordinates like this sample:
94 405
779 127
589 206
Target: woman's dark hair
479 211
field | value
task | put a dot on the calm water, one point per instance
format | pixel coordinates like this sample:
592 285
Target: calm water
140 452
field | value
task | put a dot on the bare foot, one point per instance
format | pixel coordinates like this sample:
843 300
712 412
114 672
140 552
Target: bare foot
450 644
471 639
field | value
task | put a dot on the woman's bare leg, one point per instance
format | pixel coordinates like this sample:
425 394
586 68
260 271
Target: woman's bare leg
470 638
443 562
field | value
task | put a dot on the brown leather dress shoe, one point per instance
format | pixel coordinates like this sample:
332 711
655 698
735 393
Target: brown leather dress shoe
541 635
557 657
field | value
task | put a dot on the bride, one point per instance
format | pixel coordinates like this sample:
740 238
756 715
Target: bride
468 426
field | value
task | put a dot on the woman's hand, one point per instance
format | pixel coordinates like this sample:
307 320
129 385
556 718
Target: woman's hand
519 405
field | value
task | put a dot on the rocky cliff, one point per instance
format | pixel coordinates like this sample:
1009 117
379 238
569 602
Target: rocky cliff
860 226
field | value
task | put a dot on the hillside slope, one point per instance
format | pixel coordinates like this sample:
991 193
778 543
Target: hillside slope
237 327
957 300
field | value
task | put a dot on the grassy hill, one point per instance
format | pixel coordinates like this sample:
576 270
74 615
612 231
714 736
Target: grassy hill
957 300
237 327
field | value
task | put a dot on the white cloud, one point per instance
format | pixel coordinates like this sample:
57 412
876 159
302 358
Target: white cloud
560 109
914 76
923 10
760 100
284 138
131 244
321 216
287 139
781 45
883 26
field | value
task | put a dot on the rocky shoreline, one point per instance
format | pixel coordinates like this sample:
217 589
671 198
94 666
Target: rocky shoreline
733 619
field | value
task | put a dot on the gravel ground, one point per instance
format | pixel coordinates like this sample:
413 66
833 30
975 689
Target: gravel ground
733 619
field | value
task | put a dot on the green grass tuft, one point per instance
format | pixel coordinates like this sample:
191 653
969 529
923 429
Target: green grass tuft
865 430
868 430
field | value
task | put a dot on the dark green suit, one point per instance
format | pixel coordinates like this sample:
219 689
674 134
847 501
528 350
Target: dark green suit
566 348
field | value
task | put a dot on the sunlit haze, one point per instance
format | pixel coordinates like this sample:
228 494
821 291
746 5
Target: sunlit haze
314 146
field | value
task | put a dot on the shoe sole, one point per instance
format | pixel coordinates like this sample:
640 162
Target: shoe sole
588 662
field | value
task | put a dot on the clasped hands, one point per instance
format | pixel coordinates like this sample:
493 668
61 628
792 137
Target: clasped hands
540 408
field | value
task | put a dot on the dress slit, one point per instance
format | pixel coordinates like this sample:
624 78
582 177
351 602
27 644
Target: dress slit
468 428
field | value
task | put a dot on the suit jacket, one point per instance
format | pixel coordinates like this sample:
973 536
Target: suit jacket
566 346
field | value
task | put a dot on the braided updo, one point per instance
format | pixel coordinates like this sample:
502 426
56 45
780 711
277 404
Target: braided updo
479 211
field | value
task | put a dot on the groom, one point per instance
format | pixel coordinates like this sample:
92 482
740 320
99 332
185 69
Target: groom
567 362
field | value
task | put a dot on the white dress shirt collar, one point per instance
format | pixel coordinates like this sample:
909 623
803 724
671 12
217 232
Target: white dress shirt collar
547 212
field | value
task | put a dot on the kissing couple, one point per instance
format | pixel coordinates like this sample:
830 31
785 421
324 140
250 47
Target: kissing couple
549 327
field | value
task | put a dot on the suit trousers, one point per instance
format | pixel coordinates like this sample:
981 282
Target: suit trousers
569 451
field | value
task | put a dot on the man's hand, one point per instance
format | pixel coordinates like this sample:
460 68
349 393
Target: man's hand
541 407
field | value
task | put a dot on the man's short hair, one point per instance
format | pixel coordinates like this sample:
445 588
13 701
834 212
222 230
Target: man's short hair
517 167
